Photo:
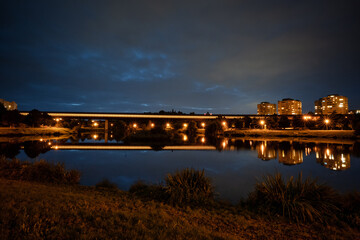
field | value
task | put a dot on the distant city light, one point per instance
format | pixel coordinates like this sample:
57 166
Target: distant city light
185 138
134 125
185 125
152 125
203 124
95 136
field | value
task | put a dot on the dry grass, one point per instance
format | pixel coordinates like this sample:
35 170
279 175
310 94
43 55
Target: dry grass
40 211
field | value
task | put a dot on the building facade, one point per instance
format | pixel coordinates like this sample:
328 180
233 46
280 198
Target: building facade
289 106
266 108
8 105
332 104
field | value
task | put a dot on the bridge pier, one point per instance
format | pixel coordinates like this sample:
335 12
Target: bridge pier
106 125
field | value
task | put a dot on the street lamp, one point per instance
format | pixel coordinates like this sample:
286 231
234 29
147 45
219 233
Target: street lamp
327 121
262 123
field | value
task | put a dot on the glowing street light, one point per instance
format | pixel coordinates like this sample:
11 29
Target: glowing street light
96 124
134 125
327 121
168 125
262 123
203 139
95 136
224 123
185 138
185 125
152 125
203 124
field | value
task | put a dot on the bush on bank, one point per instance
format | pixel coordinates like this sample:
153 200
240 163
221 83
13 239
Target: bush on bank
188 187
38 171
295 199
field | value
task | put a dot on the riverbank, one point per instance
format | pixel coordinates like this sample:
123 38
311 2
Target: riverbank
36 131
344 134
42 211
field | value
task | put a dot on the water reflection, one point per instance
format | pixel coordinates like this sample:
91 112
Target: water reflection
334 154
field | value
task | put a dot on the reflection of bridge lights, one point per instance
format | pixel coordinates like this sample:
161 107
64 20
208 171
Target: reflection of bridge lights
250 143
203 124
56 147
111 136
185 138
203 139
95 136
262 147
342 158
224 143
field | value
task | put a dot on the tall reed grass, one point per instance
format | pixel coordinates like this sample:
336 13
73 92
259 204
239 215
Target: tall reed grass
189 187
296 199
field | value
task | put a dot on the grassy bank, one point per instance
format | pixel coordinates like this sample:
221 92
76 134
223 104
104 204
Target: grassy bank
42 211
182 208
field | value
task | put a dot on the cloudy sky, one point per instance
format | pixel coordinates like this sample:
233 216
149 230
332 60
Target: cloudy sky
193 56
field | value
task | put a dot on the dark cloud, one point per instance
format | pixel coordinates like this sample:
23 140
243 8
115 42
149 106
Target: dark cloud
135 56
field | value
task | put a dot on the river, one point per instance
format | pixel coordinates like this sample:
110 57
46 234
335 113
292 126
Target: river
234 165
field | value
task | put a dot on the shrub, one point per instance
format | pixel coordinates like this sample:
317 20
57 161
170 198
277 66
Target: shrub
297 200
149 192
189 187
38 171
105 183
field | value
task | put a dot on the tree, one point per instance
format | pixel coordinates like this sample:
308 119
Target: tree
284 122
191 129
35 118
213 128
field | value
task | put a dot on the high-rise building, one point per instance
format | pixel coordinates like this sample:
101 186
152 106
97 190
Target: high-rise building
289 106
8 105
332 104
266 108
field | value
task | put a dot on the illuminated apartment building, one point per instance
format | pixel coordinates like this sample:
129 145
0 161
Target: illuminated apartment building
289 106
332 104
266 108
8 105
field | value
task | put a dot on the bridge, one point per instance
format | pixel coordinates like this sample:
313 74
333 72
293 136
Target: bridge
99 115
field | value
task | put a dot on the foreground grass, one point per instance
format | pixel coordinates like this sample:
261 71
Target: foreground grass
31 210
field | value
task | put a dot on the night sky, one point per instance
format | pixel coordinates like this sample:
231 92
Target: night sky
193 56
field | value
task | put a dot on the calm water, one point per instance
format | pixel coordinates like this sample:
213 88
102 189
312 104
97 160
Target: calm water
234 165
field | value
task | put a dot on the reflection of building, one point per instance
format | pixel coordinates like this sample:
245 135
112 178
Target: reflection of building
291 156
332 104
8 105
265 152
289 106
333 160
266 108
